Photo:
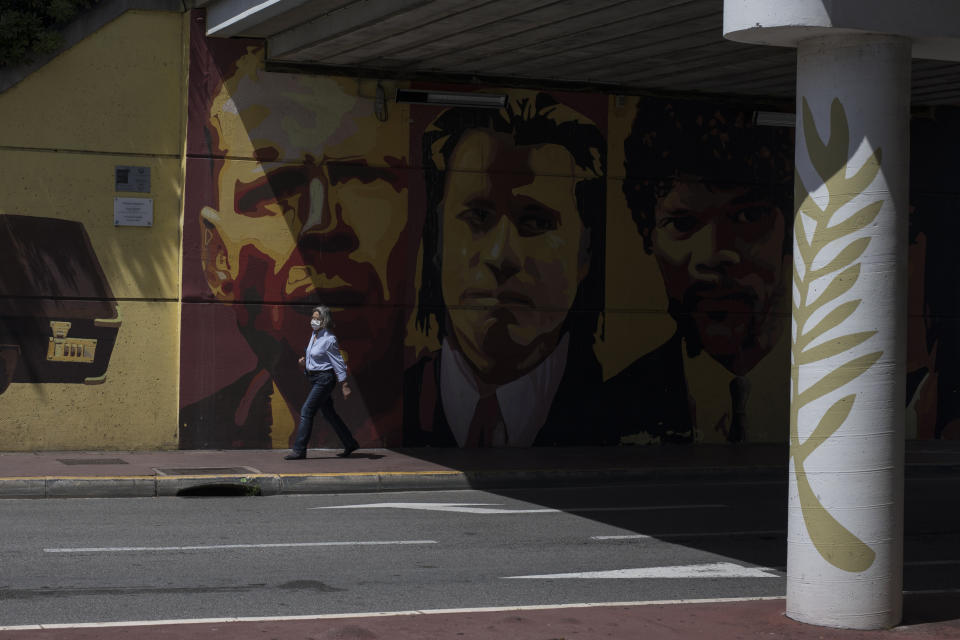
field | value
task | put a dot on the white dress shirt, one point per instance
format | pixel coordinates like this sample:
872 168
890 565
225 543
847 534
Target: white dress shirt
323 354
767 404
524 403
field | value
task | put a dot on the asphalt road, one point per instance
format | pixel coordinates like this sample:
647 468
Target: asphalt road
100 560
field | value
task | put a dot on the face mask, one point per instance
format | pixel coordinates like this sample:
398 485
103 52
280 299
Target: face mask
315 324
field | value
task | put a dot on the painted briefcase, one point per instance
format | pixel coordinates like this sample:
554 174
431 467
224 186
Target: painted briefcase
58 316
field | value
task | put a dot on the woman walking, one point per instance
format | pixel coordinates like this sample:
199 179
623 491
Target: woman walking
324 367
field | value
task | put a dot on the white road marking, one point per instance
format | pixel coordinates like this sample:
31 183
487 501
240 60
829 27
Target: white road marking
691 534
213 547
377 614
712 570
457 507
489 508
652 507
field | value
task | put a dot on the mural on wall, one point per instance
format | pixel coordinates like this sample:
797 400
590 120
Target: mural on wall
58 317
296 195
711 195
89 301
466 253
512 282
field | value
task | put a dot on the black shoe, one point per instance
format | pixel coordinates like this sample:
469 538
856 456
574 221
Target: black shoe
295 456
348 450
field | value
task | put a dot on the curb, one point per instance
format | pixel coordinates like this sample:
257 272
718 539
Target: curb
269 484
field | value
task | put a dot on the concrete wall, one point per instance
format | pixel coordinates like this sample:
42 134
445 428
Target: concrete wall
116 98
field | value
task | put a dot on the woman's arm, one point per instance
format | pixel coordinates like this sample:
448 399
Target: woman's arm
339 366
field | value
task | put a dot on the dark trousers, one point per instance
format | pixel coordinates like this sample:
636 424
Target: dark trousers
322 384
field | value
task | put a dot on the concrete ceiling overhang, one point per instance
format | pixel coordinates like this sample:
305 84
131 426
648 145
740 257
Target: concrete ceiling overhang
662 46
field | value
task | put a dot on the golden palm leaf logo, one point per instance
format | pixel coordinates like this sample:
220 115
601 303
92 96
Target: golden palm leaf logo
833 541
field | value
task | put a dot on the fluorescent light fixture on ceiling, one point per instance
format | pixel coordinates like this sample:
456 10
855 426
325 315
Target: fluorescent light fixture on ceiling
774 119
453 98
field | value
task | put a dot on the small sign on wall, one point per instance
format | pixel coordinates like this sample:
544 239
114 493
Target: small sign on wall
133 212
132 179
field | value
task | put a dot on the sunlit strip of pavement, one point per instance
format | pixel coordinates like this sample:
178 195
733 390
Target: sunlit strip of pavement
692 534
214 547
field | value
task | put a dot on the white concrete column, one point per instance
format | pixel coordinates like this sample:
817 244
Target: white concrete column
845 533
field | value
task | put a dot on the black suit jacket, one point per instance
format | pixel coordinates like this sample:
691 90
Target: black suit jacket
650 396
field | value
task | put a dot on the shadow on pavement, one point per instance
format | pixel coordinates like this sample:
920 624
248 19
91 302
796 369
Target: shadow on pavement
357 455
742 512
926 608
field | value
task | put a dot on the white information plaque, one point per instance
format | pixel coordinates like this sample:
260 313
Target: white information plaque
133 212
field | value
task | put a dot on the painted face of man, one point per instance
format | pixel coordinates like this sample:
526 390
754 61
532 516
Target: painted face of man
311 203
514 250
720 251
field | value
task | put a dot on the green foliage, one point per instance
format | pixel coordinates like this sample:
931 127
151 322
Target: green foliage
31 28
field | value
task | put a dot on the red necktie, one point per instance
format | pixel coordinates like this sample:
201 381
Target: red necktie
485 418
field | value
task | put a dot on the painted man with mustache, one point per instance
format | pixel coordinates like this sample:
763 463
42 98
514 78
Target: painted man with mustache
710 193
512 278
302 201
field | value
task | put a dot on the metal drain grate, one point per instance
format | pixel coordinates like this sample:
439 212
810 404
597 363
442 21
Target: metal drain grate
90 461
207 471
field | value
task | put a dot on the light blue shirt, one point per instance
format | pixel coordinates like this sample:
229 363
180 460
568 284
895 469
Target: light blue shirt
323 354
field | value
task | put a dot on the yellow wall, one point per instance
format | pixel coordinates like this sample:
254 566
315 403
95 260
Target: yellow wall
116 98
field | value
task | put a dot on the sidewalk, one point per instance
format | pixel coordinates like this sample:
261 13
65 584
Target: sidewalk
926 617
265 472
